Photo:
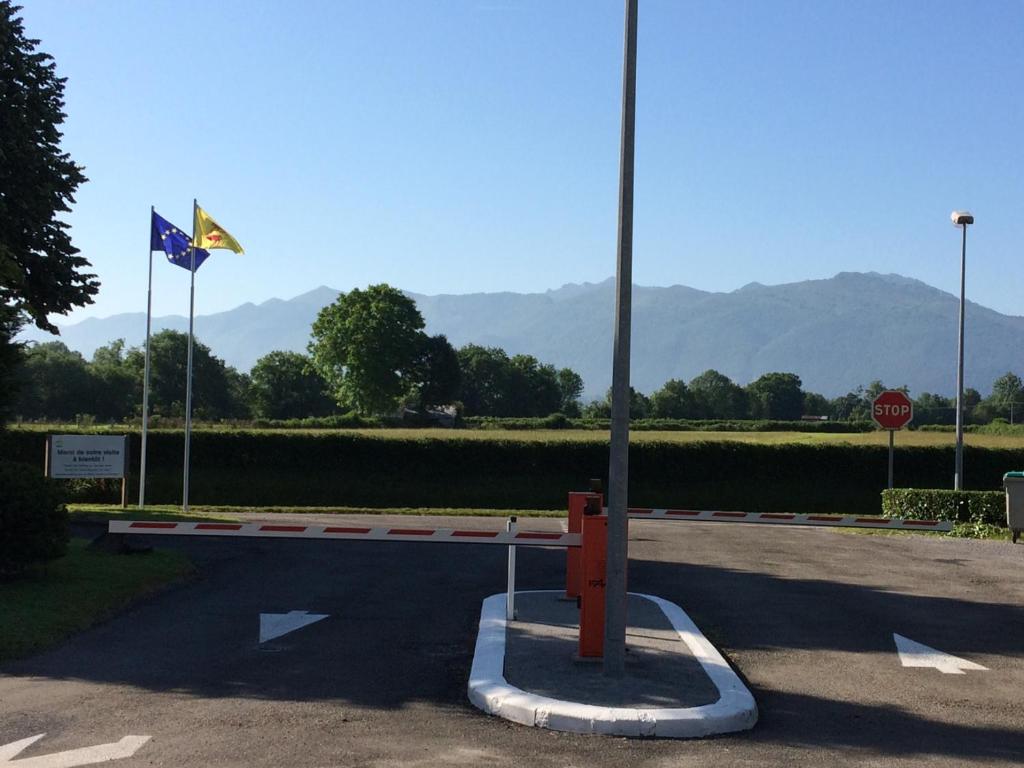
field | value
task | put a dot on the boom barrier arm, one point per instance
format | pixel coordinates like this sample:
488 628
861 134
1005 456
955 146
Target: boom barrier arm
343 532
780 518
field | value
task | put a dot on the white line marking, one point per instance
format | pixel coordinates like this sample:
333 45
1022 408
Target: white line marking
100 753
276 624
914 654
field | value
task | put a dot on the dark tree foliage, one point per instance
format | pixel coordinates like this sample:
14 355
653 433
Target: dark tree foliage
54 383
718 397
486 381
215 387
534 387
570 385
40 273
639 406
437 372
776 396
285 386
673 401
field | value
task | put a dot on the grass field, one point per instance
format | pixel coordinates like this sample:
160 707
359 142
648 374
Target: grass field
76 591
908 438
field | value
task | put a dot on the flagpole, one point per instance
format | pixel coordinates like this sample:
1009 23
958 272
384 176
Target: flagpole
188 385
145 375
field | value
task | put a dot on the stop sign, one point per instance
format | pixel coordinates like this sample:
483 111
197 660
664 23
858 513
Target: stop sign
892 409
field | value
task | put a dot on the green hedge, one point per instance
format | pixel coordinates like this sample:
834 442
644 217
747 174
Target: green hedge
314 468
987 507
560 421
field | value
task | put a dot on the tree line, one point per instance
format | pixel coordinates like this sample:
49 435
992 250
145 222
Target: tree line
369 354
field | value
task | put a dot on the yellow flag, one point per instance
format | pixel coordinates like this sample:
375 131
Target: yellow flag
210 234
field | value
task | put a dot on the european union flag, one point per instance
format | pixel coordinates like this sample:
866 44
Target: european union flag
176 244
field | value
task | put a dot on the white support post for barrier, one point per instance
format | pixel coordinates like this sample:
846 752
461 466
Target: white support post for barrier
510 600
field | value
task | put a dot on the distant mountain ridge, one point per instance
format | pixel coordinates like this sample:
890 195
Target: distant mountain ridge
834 333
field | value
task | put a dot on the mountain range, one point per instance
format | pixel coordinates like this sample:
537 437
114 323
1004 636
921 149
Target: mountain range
835 333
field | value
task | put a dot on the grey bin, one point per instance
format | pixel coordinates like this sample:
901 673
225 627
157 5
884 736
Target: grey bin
1014 484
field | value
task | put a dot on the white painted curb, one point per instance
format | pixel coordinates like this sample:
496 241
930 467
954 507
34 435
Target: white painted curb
735 709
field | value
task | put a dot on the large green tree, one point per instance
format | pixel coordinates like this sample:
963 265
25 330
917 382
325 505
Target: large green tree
776 396
118 387
40 271
718 397
437 372
570 384
54 383
673 401
486 381
215 386
285 386
366 345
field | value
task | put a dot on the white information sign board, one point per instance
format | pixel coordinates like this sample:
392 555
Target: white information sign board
87 456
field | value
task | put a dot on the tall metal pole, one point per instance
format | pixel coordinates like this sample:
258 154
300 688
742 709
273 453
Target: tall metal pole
958 477
188 385
145 370
618 461
891 433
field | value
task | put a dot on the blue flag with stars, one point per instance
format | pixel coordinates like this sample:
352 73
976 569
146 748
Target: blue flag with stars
168 238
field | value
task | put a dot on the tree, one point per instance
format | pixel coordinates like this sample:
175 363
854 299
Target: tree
534 389
570 385
284 385
437 372
214 391
1007 398
934 409
118 391
486 381
40 273
816 405
717 397
776 396
54 383
365 345
639 406
673 401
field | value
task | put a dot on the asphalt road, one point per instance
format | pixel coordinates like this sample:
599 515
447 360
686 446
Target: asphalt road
806 616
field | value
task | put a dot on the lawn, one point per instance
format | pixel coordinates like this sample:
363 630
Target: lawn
880 437
67 595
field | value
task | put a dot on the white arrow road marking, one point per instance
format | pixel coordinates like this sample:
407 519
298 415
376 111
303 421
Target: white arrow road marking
100 753
913 654
276 624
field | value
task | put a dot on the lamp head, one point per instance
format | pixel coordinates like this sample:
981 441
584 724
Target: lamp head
961 218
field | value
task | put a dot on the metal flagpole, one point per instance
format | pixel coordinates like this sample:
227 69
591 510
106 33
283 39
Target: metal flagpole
145 374
618 461
188 385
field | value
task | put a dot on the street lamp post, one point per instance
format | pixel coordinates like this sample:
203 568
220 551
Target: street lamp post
960 219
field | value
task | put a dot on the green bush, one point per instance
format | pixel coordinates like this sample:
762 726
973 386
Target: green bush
979 507
33 519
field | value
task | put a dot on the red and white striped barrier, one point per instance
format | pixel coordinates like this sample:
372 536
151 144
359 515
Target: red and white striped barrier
785 518
364 533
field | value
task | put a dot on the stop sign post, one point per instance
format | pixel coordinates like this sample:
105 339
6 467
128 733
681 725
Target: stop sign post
892 410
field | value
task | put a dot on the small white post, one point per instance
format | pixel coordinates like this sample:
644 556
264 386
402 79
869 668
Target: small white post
510 599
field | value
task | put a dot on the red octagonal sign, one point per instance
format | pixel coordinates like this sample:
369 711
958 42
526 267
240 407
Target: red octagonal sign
892 409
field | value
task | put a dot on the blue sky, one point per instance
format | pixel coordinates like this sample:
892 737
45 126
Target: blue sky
456 147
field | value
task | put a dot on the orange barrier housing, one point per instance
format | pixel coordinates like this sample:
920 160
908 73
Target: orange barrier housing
593 556
577 504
